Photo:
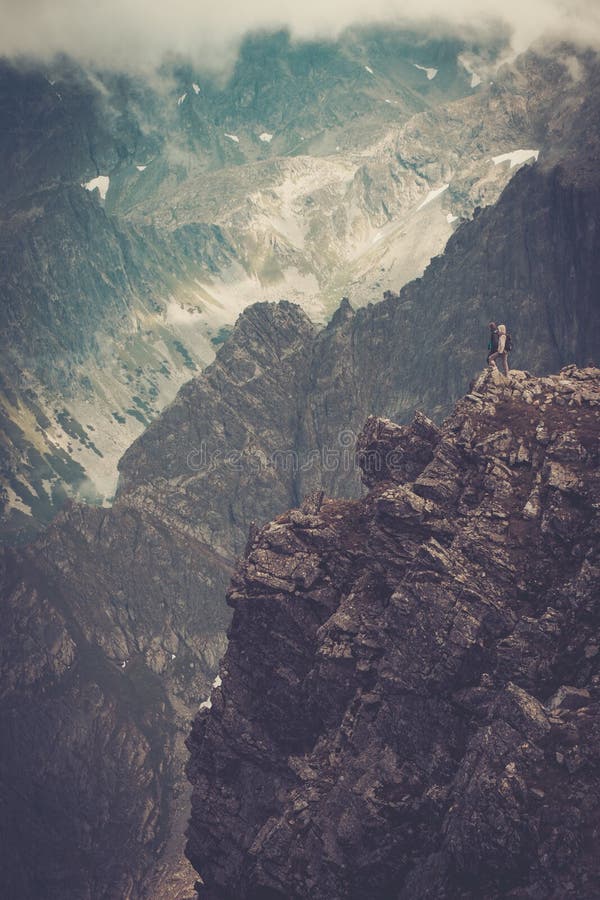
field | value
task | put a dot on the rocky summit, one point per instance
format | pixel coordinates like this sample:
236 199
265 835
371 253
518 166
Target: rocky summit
409 706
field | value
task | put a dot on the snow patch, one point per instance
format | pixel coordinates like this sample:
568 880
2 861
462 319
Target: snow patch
48 484
475 78
265 137
377 238
101 182
516 157
369 70
431 73
181 99
450 218
432 195
196 88
232 137
208 702
15 502
141 168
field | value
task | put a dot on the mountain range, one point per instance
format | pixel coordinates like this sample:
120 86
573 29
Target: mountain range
115 619
141 215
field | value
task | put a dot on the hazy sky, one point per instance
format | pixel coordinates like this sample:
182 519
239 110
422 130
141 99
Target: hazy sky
139 32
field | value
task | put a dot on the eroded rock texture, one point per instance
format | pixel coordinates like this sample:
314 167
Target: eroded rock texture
410 699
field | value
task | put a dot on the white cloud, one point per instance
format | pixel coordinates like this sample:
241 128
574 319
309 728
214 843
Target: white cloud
132 33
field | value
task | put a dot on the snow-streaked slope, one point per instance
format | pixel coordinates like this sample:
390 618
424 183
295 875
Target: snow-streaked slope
352 203
436 192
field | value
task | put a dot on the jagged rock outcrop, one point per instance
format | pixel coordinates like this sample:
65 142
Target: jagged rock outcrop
284 402
410 699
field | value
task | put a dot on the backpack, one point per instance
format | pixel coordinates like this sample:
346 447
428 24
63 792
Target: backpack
493 341
508 344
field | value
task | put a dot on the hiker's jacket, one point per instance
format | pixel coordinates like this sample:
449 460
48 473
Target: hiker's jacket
501 342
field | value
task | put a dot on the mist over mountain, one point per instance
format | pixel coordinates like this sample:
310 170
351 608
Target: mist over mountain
133 35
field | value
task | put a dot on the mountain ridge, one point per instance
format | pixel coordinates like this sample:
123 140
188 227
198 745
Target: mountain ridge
408 700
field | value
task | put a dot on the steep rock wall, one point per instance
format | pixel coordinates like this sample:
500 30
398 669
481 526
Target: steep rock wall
409 703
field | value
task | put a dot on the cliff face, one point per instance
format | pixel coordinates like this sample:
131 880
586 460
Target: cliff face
106 649
410 700
114 624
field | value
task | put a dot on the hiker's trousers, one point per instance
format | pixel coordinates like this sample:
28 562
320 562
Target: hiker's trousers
494 356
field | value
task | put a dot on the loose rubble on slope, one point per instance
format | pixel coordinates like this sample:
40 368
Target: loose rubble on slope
410 700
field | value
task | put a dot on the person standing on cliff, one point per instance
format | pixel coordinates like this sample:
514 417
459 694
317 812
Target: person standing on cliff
500 351
493 341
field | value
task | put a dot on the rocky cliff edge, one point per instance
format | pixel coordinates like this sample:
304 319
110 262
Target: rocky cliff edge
410 699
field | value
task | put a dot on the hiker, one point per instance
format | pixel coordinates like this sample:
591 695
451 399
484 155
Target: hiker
501 350
493 341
